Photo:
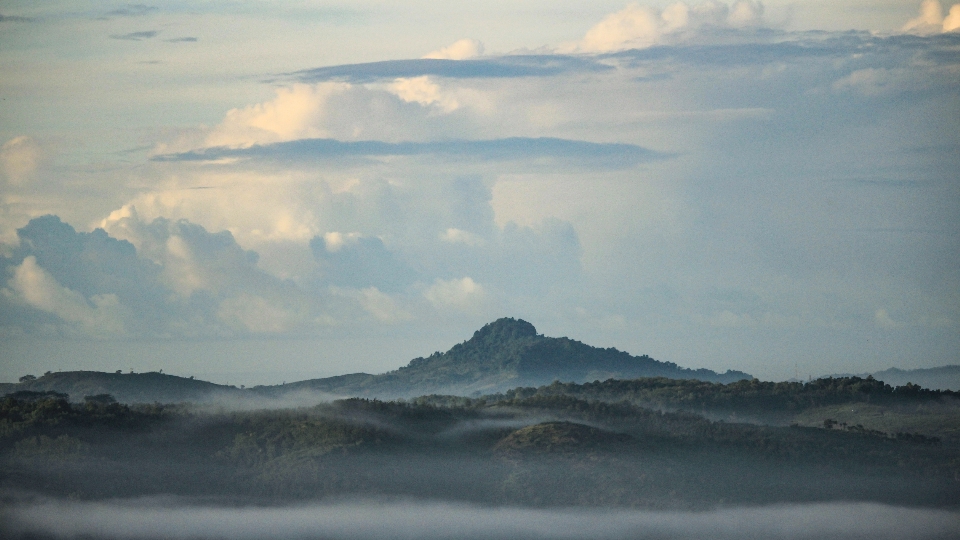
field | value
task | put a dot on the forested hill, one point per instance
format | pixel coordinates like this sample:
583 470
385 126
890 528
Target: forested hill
503 354
125 387
938 378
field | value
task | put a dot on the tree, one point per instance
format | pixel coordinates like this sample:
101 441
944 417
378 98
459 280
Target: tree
27 378
103 399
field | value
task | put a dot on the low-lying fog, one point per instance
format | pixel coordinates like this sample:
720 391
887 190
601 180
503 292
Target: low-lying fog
167 518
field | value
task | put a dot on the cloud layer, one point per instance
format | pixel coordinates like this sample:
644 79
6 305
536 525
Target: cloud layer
359 520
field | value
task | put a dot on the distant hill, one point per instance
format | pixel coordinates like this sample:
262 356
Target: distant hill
938 378
125 387
502 355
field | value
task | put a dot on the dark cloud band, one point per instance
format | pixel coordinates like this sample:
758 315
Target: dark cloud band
765 46
136 36
502 67
512 148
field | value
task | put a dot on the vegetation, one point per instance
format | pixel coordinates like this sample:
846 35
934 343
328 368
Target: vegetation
149 387
503 354
643 433
531 448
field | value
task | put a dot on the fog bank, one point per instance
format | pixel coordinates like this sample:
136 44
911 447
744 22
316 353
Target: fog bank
176 519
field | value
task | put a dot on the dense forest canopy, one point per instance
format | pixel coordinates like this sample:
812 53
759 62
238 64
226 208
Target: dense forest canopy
560 444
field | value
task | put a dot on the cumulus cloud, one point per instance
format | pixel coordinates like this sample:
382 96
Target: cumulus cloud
257 206
423 91
354 260
460 294
951 22
637 27
408 108
179 279
458 50
90 263
99 316
192 258
931 20
19 158
383 307
296 112
258 315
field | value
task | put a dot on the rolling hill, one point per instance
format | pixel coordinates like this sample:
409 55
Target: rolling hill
126 387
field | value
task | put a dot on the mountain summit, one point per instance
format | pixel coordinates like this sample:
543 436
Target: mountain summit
504 354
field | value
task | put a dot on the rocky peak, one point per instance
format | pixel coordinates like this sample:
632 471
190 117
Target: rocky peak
505 329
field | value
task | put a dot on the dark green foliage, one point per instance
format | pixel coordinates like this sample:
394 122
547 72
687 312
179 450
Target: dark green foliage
103 399
529 448
128 388
747 398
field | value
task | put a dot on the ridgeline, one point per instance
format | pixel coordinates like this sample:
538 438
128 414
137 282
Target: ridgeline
504 354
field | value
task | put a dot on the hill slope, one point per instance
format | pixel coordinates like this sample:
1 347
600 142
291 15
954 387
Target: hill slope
503 354
125 387
938 378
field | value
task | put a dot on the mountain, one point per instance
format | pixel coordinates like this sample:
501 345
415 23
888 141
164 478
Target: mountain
125 387
504 354
938 378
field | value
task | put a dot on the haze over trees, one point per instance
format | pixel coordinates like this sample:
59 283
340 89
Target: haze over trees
669 441
540 449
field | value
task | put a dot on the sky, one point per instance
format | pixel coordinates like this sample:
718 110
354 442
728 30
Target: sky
255 192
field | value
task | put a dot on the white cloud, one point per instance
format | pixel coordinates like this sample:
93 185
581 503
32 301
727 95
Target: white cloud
414 108
334 241
460 294
383 307
192 259
931 20
952 21
19 158
260 207
633 26
31 285
424 91
458 50
297 112
637 26
745 13
459 236
257 314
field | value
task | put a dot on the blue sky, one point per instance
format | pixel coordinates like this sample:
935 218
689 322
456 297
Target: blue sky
263 191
